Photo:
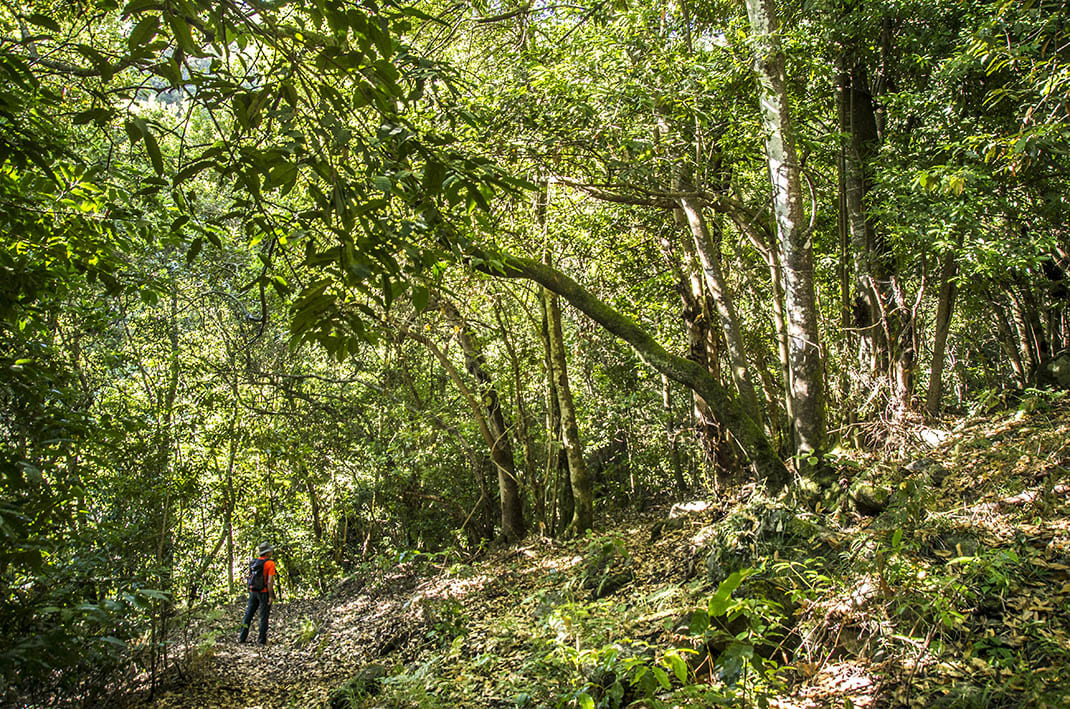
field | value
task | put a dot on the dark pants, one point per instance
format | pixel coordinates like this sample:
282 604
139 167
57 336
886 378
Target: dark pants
257 599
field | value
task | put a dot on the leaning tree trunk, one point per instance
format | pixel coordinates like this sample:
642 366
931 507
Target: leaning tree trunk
1008 341
710 259
807 371
582 486
485 427
747 432
702 349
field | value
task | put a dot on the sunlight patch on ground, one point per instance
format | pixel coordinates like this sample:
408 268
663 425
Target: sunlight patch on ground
703 537
835 683
559 563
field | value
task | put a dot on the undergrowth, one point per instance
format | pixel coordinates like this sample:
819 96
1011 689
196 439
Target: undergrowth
952 593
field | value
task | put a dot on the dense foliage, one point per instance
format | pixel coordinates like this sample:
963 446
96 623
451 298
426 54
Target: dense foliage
367 278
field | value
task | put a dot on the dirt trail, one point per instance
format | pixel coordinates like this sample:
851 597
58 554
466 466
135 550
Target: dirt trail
313 646
990 545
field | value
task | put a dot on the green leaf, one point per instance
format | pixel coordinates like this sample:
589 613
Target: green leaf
181 30
189 171
143 31
154 152
700 622
98 60
474 195
240 107
98 115
434 174
719 601
169 70
380 34
662 676
282 175
136 6
194 249
585 701
419 298
679 667
281 286
135 129
42 21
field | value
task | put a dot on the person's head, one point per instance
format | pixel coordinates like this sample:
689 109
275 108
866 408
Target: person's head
265 549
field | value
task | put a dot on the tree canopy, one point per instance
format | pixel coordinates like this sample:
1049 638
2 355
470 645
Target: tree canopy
373 278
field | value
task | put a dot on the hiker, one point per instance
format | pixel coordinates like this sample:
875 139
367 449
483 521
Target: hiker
261 592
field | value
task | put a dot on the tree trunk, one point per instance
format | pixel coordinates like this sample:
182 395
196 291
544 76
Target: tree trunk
506 475
163 453
582 486
776 278
1009 342
523 427
557 484
807 375
880 298
670 434
944 308
747 432
703 349
1026 339
858 123
710 258
232 450
501 448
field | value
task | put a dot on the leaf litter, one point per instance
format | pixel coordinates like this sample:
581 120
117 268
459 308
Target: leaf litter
956 595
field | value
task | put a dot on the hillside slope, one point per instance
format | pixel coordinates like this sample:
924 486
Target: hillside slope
938 579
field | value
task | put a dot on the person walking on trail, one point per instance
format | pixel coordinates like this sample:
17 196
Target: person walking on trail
261 592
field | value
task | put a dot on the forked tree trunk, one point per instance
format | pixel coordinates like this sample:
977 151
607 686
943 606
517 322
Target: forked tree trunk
487 428
711 270
807 375
582 487
501 447
703 349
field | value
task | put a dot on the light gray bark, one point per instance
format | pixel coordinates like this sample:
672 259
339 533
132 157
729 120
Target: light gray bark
807 380
715 282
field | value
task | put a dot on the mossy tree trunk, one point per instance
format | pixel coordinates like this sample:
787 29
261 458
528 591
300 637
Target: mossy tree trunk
747 432
582 486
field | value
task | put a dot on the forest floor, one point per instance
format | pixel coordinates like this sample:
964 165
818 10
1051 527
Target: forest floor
928 576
